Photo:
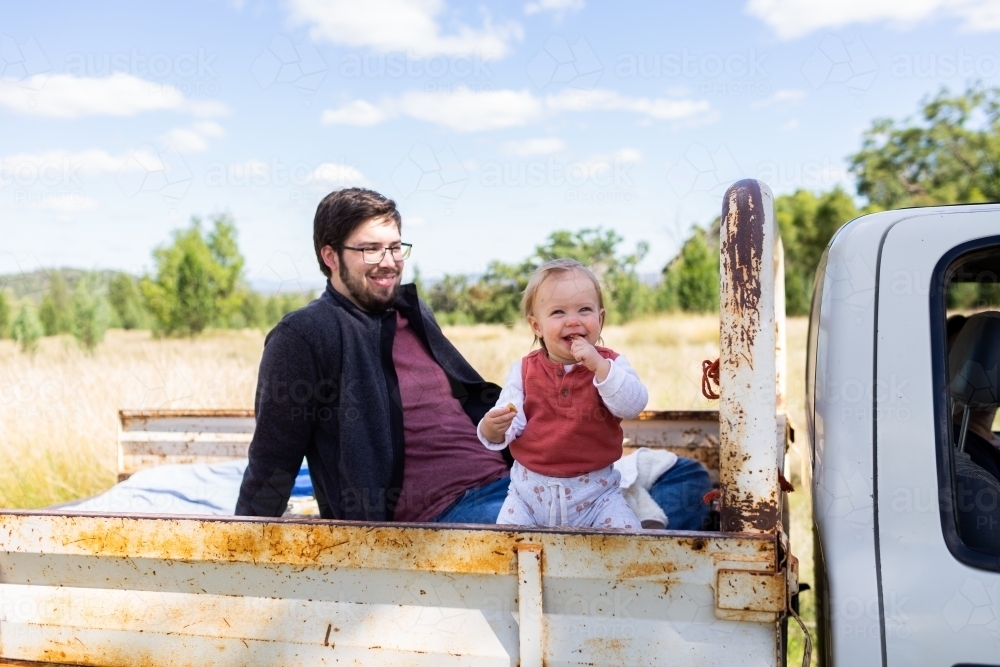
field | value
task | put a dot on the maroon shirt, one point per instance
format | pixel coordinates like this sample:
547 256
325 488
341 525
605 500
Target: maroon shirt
444 456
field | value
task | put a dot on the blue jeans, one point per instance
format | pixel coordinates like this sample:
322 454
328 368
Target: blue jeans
679 491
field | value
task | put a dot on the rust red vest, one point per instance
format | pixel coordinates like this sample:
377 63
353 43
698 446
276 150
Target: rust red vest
570 431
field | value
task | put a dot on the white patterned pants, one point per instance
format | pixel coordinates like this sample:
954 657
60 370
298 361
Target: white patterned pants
593 500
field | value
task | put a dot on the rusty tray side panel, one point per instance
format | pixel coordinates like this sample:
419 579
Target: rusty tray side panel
691 433
148 438
144 591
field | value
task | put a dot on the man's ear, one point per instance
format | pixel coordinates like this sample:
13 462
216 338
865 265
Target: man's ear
330 258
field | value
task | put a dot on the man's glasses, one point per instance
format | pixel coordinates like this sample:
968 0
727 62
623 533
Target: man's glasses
375 254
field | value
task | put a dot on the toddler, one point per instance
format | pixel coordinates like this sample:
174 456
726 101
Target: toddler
561 409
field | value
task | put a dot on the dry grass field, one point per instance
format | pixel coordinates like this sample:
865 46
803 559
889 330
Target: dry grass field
58 408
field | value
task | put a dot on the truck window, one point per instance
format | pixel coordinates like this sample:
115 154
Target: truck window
965 316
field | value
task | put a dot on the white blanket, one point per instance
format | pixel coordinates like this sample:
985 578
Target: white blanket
639 470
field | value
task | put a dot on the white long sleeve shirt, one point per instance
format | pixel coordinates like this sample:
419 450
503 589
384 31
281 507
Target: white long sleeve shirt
622 392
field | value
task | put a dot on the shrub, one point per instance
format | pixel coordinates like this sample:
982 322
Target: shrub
27 330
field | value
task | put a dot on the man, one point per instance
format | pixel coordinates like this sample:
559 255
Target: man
363 384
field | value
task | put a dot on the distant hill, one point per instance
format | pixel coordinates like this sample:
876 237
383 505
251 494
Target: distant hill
35 284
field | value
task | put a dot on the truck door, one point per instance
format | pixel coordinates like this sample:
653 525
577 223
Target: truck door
939 589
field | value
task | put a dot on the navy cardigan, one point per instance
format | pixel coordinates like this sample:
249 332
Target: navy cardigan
327 391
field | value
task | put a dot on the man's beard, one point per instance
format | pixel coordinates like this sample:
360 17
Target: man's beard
371 300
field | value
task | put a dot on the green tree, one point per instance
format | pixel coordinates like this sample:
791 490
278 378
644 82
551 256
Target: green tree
448 295
228 266
126 302
198 282
418 280
807 222
691 280
4 315
56 311
496 296
950 155
91 313
625 295
254 310
27 330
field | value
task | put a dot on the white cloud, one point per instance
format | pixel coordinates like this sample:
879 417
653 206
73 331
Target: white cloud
261 173
473 111
629 155
209 128
461 111
193 139
780 97
410 26
58 166
358 113
556 6
793 124
185 141
332 174
794 18
621 156
609 100
121 95
467 111
65 202
536 146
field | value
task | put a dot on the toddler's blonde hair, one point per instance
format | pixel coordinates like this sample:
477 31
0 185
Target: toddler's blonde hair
550 268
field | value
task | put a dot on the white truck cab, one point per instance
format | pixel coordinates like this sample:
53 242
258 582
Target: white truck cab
901 582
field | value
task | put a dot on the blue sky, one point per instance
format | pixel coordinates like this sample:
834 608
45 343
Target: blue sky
491 124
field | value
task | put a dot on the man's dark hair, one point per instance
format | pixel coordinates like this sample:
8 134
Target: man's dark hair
343 211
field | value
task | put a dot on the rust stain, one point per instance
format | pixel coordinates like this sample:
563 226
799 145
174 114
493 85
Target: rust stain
745 513
289 544
168 414
679 415
743 251
639 570
111 657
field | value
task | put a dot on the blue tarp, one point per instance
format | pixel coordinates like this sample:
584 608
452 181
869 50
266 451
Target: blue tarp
207 488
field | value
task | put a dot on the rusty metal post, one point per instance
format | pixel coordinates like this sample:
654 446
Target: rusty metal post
780 338
749 453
